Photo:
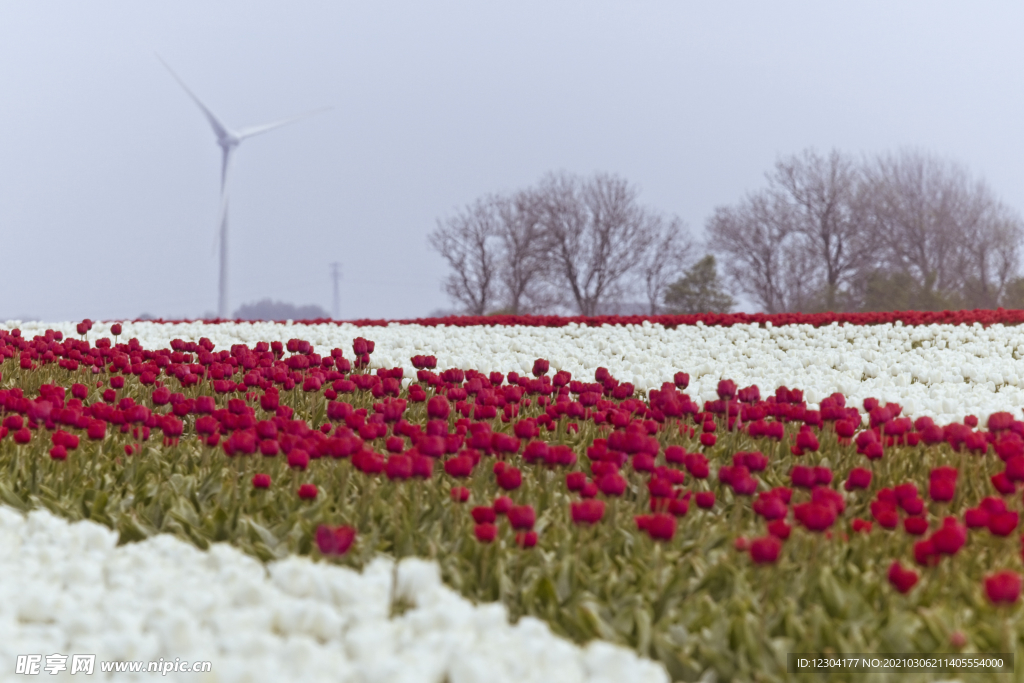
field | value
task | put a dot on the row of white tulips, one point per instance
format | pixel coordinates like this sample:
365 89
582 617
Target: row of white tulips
942 371
69 589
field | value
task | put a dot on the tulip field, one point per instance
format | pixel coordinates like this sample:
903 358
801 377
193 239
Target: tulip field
521 499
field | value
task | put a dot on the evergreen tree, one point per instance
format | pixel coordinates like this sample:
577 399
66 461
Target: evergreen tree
699 291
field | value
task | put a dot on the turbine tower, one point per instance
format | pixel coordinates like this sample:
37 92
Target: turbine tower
228 140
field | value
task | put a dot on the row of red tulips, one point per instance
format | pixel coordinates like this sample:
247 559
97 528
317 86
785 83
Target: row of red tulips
522 468
410 451
985 317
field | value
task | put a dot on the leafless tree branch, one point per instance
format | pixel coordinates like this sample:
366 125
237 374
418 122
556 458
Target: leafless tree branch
468 242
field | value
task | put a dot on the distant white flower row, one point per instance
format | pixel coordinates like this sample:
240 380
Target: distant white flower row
69 589
942 371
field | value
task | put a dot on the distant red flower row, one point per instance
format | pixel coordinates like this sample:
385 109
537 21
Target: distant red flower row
985 317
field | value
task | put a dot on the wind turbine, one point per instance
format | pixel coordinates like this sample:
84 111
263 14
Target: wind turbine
229 140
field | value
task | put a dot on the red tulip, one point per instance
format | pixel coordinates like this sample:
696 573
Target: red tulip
1015 468
612 484
802 476
950 537
1003 586
422 467
522 517
1003 484
873 451
859 478
587 511
307 491
902 579
754 462
915 526
779 528
334 541
574 481
806 441
1002 523
22 436
696 464
662 527
459 467
659 487
705 499
438 408
976 518
942 484
991 505
460 494
765 550
59 453
483 514
815 516
40 410
912 506
770 506
510 478
297 459
526 429
62 438
540 367
845 429
502 504
526 539
861 525
261 481
925 553
97 430
726 389
485 533
399 467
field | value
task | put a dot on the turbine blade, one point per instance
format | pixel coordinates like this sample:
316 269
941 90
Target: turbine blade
219 128
256 130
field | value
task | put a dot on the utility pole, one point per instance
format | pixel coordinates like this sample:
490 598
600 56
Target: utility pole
336 275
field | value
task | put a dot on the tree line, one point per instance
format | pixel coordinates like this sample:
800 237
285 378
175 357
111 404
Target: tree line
827 232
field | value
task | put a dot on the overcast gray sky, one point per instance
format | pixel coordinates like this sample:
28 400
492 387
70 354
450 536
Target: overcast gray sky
109 174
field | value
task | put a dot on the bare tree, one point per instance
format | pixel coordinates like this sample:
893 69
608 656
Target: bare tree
991 249
753 237
523 263
946 230
664 262
468 242
820 195
596 234
800 243
915 200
